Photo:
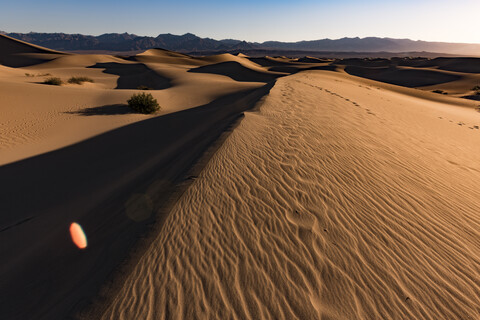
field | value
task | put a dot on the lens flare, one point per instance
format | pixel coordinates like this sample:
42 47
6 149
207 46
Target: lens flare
78 236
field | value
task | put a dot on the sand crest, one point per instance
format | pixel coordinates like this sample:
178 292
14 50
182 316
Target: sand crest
335 200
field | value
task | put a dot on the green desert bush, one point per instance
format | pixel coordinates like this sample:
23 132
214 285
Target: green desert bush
143 103
54 81
79 80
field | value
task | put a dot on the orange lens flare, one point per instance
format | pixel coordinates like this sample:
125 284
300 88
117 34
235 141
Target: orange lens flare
78 236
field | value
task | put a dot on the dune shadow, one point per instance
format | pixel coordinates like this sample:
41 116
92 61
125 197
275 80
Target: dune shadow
265 62
106 110
365 62
236 71
18 54
134 75
285 69
403 77
329 67
472 97
458 64
94 183
313 60
292 69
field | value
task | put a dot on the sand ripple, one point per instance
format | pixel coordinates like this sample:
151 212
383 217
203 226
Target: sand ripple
333 201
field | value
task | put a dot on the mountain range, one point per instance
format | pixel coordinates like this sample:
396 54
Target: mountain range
191 43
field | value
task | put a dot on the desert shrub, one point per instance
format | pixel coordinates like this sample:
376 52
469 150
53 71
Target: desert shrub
79 80
54 81
439 91
142 87
37 75
476 88
143 103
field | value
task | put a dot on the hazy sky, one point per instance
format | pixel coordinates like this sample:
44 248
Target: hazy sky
439 20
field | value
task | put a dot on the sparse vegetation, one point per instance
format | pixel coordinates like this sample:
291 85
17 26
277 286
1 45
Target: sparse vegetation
440 91
476 88
54 81
37 75
79 80
142 87
143 103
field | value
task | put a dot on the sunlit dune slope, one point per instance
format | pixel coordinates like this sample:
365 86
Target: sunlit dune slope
237 72
336 199
38 118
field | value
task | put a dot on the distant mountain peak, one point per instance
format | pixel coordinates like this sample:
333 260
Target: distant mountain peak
190 42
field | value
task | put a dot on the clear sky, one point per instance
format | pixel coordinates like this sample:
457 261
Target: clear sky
261 20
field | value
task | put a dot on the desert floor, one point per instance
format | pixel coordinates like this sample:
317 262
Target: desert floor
265 188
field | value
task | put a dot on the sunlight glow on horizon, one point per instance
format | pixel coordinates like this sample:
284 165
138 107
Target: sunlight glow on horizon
260 21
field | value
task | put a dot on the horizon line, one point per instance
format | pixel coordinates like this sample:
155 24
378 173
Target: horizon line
207 37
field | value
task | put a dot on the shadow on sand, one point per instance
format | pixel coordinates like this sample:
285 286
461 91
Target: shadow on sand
402 77
94 183
134 75
292 69
106 110
472 97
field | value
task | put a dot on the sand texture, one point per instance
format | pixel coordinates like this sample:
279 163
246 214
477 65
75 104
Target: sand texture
264 188
334 200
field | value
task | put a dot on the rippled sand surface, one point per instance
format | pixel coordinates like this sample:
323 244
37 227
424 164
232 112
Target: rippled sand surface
335 199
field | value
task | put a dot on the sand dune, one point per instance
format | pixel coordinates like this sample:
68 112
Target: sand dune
16 53
86 156
313 60
337 197
467 65
132 76
166 56
273 62
78 61
92 183
452 76
335 200
227 57
403 77
33 120
237 72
